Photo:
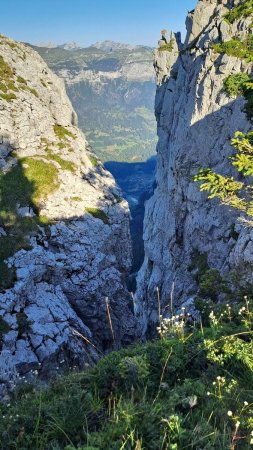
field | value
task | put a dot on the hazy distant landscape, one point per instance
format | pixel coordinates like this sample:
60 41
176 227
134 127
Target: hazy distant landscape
112 89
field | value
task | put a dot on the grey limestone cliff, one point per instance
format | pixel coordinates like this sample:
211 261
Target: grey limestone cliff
64 230
196 120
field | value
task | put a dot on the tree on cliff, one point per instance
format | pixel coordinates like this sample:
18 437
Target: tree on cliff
236 194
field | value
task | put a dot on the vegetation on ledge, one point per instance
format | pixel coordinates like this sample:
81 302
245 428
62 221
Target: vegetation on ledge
94 161
24 185
241 84
98 214
231 192
237 48
62 133
190 389
167 47
244 9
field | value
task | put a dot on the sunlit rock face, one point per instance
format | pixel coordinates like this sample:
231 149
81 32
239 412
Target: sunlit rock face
196 120
64 230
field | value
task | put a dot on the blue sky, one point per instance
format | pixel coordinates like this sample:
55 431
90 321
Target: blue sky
87 21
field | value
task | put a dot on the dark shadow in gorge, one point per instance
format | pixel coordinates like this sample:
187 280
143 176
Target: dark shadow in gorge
136 181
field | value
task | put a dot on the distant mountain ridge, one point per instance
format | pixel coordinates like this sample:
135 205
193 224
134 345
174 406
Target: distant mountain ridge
106 46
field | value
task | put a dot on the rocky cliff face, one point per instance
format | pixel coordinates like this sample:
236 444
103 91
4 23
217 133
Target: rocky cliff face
196 120
64 230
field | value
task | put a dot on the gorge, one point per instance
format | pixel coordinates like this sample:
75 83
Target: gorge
65 248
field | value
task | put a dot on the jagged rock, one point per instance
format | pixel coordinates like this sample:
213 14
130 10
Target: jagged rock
71 240
196 120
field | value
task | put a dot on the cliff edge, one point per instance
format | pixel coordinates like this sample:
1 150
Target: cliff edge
184 232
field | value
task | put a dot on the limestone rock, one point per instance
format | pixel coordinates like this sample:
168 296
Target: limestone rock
68 226
196 120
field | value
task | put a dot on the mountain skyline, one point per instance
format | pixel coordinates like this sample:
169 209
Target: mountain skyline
87 22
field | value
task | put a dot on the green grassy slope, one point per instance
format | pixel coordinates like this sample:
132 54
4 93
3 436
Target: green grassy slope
190 389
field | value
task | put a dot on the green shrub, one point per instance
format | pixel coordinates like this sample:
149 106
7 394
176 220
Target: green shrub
241 84
244 9
236 84
211 285
167 47
236 48
231 192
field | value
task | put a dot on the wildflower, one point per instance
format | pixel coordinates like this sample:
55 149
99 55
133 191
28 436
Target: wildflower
245 403
229 413
208 393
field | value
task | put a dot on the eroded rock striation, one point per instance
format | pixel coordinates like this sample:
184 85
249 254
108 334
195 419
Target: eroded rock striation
64 230
196 120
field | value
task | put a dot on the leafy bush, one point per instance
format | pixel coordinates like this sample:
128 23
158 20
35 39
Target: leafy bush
237 48
244 9
236 84
229 191
241 84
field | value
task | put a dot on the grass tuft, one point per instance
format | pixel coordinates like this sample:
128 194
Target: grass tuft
98 214
94 161
62 133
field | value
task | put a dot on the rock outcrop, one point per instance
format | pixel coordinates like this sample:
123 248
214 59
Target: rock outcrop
64 230
196 120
